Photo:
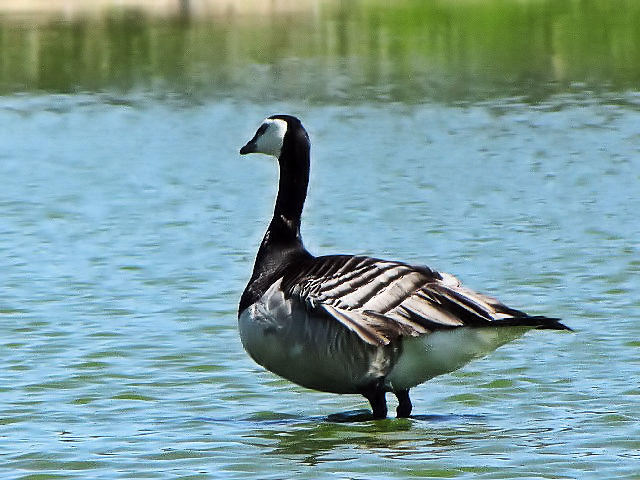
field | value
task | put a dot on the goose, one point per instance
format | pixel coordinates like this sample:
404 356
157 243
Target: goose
352 324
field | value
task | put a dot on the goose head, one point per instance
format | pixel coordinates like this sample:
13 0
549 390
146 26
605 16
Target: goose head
276 133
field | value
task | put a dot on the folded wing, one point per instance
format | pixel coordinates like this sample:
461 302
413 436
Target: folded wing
381 300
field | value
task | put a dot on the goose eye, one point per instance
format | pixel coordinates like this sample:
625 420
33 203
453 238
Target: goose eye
262 129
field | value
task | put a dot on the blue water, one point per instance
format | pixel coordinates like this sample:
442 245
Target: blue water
129 227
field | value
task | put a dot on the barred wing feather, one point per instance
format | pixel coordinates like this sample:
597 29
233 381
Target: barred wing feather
381 300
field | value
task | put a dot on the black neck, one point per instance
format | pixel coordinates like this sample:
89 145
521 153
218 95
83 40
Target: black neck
283 235
282 243
292 192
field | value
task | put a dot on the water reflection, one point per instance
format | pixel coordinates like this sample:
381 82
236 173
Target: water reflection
349 435
313 442
346 51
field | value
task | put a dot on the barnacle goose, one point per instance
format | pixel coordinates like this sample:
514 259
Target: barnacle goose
356 324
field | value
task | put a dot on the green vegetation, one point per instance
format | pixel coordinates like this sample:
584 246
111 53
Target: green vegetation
410 50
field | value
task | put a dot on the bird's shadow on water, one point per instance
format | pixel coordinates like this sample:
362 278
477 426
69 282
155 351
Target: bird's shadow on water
348 417
311 438
356 416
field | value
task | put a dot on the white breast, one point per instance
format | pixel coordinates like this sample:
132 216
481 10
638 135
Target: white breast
311 350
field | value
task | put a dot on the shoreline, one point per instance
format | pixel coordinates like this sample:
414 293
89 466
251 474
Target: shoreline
74 9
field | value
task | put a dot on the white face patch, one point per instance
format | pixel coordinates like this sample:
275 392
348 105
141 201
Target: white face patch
270 141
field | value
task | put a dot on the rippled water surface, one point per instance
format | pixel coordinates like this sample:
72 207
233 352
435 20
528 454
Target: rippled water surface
129 225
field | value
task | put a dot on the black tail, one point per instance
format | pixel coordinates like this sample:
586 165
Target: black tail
537 321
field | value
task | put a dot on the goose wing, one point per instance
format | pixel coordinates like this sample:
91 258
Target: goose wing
381 300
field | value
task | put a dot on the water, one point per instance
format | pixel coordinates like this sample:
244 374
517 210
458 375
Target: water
129 227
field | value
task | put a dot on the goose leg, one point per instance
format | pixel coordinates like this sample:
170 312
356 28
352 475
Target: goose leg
376 397
404 403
